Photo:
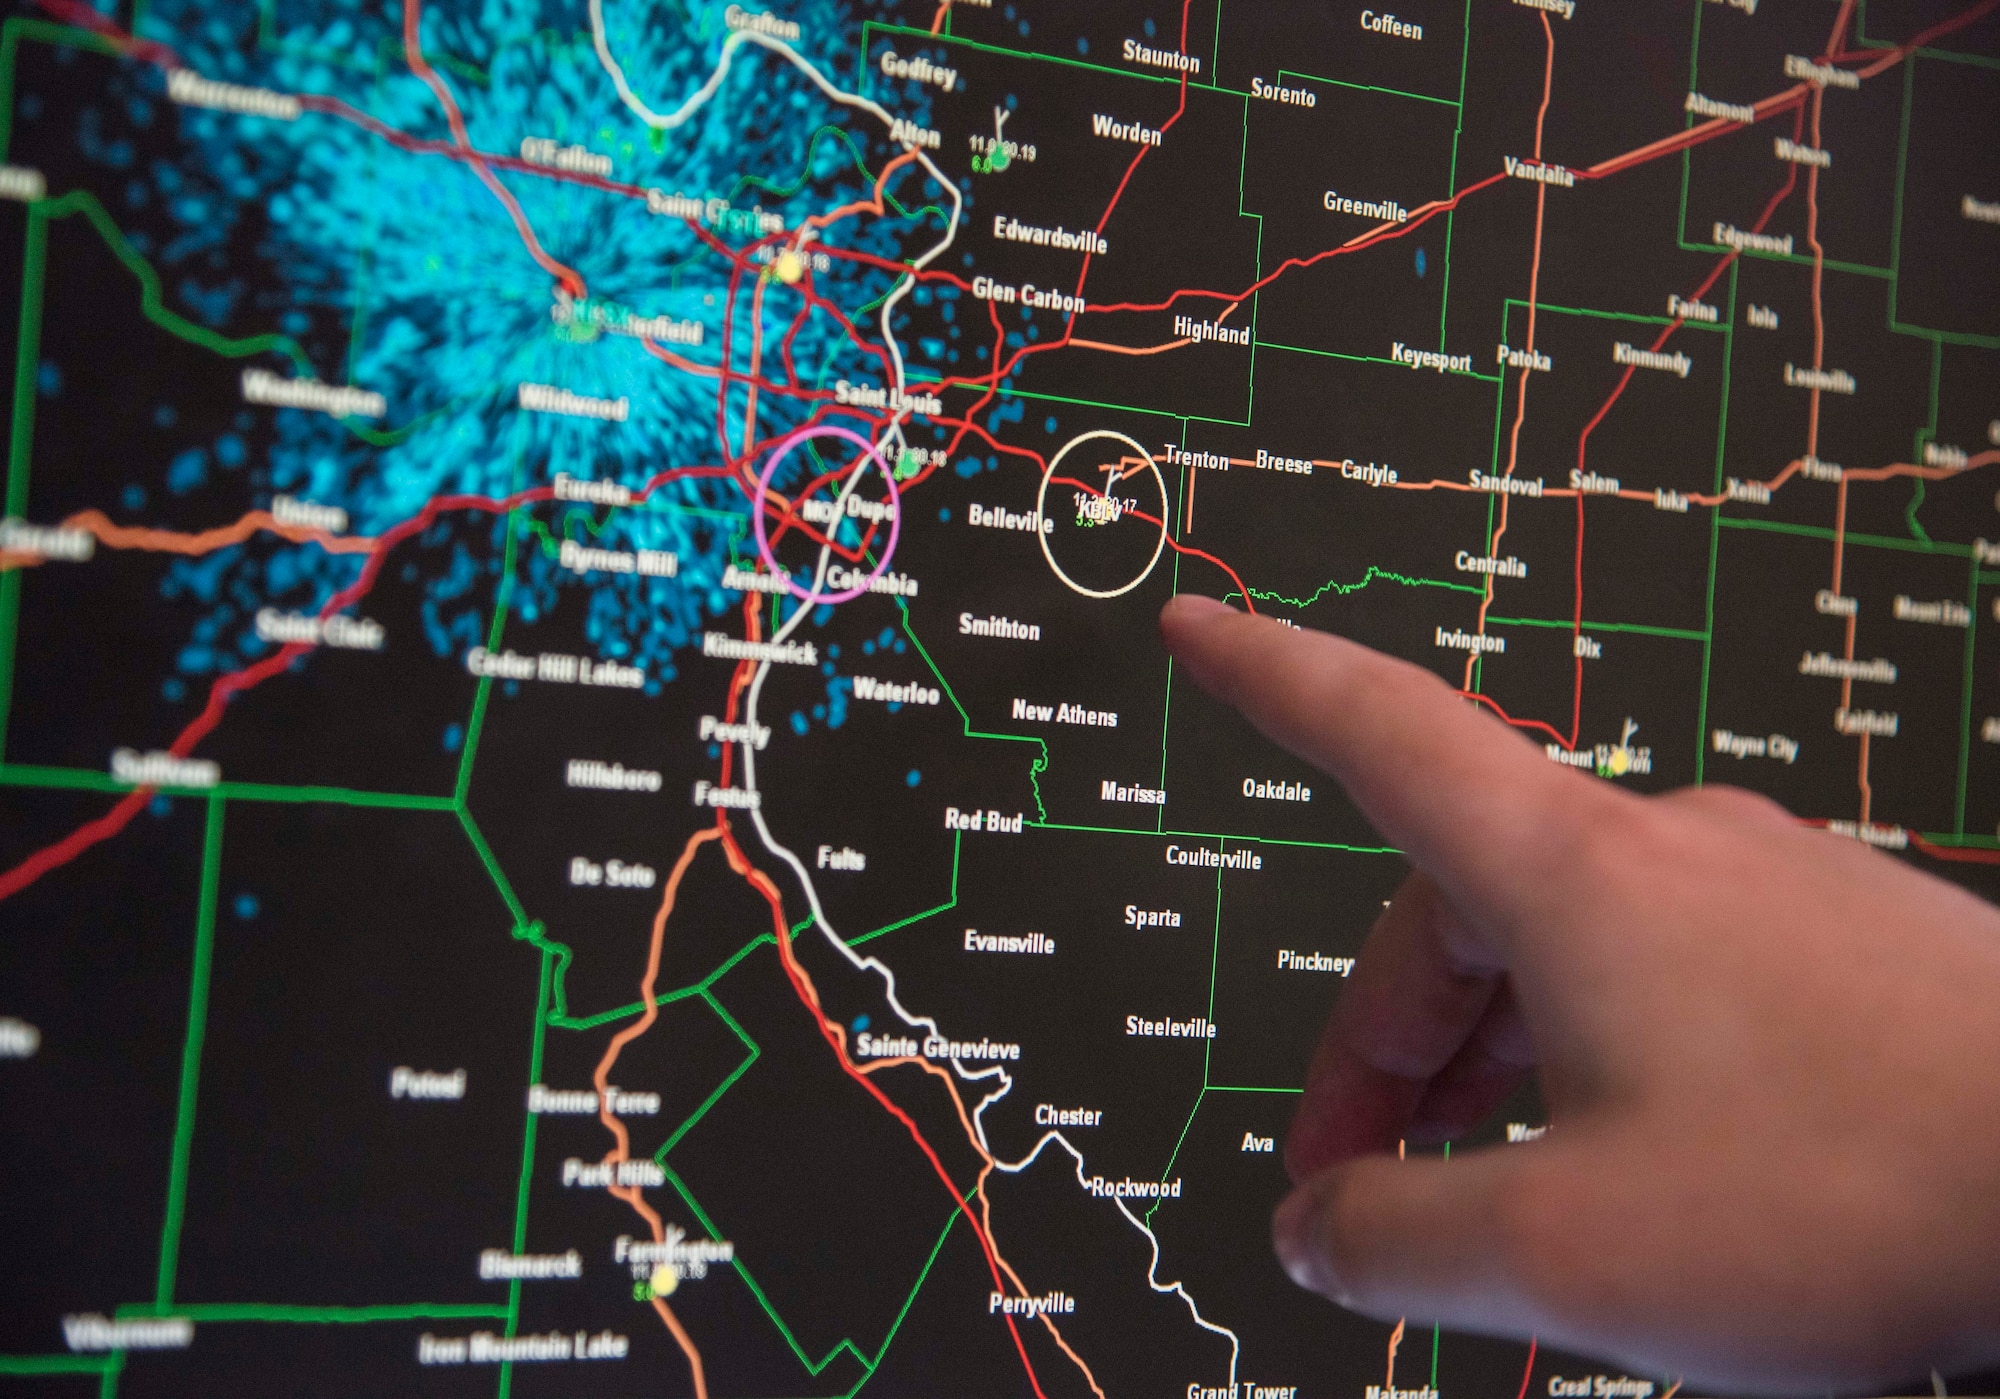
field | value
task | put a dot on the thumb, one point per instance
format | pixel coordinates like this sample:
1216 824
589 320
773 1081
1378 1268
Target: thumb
1459 1241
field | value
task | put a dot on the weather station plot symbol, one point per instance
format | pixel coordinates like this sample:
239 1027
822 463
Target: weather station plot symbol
1103 508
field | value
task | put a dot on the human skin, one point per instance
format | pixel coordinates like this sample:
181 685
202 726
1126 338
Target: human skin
1771 1055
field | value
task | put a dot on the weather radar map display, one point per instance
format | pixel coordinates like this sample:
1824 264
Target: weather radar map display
593 805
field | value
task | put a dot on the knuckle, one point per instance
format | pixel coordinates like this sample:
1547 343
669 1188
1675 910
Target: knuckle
1538 1245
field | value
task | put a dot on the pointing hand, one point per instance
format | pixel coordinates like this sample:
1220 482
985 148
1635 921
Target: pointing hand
1771 1055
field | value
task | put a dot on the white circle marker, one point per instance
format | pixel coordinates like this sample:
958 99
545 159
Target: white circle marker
1041 497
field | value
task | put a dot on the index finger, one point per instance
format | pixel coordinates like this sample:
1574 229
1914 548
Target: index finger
1469 800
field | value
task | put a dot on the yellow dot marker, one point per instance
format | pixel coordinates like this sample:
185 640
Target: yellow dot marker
666 1278
1621 762
789 268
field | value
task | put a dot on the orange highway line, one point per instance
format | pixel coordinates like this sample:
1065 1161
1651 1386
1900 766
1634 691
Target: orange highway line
1528 369
413 54
602 1079
985 1200
164 541
1075 344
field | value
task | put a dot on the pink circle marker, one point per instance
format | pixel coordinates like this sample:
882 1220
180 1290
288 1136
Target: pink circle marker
778 455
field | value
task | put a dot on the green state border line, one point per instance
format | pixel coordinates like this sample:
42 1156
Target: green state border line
847 1344
564 1021
59 1364
1635 628
210 1313
90 780
1218 836
871 27
1877 541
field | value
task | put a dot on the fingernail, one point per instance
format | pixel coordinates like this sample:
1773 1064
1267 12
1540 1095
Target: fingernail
1294 1235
